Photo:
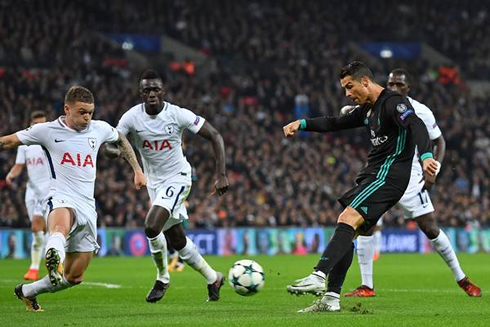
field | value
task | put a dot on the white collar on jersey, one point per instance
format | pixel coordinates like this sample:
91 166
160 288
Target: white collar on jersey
165 106
61 121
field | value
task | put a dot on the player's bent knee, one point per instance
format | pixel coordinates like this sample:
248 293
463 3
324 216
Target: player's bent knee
350 217
151 231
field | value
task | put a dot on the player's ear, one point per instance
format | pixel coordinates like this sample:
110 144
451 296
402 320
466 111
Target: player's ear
66 108
365 81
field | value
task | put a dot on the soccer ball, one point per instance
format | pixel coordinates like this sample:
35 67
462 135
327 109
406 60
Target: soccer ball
246 277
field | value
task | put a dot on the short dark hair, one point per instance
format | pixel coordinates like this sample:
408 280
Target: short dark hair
150 74
401 71
357 70
38 114
79 93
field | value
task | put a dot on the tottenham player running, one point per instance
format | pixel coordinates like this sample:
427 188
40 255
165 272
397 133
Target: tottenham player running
34 159
157 127
395 130
416 203
71 144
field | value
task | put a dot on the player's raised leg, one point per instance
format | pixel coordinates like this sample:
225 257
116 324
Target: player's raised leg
189 253
38 226
442 245
75 266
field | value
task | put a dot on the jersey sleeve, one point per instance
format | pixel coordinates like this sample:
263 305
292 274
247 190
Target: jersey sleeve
399 108
21 155
109 133
430 122
330 124
125 124
36 134
191 121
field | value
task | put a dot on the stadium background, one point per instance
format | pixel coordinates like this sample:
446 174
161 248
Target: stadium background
249 68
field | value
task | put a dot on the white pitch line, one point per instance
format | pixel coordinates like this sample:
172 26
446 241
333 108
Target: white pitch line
90 284
106 285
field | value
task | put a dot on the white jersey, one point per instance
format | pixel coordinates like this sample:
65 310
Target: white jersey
34 159
158 139
424 113
71 154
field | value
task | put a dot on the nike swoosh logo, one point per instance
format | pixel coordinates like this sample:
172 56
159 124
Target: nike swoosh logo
139 131
58 141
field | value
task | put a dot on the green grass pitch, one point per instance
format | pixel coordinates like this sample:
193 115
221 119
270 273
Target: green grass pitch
413 290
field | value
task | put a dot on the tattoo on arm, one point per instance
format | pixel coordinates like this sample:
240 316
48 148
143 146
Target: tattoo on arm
127 152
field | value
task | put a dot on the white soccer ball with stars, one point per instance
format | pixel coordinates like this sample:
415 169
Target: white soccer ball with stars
246 277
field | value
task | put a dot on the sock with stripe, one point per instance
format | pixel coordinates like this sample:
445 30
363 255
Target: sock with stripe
338 246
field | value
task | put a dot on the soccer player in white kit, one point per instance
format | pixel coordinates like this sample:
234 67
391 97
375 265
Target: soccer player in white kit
71 144
415 203
33 158
156 127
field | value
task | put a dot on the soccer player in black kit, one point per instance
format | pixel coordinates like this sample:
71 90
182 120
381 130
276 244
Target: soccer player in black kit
394 131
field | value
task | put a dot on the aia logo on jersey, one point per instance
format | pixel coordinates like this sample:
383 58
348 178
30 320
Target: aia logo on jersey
77 160
157 145
34 161
92 142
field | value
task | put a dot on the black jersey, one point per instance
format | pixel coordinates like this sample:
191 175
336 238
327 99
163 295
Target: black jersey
394 130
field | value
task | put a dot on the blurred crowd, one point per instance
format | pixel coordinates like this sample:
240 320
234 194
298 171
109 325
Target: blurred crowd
276 61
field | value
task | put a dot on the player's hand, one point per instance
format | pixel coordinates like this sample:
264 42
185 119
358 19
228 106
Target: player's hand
429 181
9 180
291 128
221 185
431 167
139 179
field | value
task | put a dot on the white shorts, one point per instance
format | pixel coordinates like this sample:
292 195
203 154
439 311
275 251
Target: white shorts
171 195
34 207
416 202
83 233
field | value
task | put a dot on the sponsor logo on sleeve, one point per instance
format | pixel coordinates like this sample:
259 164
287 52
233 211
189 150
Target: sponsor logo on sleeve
198 119
406 114
434 126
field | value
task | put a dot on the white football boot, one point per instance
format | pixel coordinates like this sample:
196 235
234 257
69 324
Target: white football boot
330 302
312 284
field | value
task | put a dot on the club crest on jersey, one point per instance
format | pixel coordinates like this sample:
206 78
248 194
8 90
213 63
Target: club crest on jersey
401 108
169 129
92 142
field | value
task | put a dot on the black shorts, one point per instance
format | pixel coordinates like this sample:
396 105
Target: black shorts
371 198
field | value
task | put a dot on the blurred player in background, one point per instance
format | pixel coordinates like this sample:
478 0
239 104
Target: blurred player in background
71 144
33 158
156 127
416 202
395 132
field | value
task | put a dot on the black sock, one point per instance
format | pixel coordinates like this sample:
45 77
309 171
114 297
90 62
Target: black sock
338 246
337 275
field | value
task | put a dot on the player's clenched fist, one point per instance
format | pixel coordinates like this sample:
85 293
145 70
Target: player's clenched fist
139 179
291 128
431 166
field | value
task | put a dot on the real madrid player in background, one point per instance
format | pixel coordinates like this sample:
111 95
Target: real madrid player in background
416 203
71 144
156 127
33 158
395 131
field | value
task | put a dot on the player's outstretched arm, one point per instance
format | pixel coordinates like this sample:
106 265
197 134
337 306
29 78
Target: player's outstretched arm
127 153
9 142
439 153
211 134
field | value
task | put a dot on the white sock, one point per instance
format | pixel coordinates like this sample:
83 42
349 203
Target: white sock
57 241
190 255
158 249
365 254
44 286
36 249
377 241
443 246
